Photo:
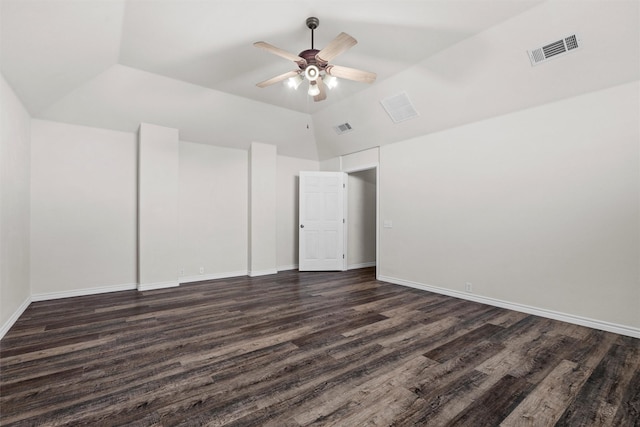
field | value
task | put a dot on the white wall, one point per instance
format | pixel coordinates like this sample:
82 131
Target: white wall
213 211
288 181
330 165
15 169
262 209
84 215
352 162
538 207
360 160
158 221
83 209
361 214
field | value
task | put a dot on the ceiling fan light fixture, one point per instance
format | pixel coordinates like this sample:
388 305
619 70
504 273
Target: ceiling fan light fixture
294 82
313 89
311 73
330 81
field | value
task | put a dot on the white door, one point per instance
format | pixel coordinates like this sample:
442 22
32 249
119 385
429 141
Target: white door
321 213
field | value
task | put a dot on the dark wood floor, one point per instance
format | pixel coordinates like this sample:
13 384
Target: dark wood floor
309 349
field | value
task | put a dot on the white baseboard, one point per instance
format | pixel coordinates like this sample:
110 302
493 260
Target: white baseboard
83 292
215 276
361 265
288 267
14 317
158 285
263 272
564 317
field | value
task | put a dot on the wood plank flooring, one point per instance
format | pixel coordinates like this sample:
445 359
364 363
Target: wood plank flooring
300 349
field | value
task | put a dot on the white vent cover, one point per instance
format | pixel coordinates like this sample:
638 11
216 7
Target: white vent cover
343 128
554 49
399 107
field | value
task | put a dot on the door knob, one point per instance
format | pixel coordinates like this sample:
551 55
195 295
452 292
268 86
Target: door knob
301 225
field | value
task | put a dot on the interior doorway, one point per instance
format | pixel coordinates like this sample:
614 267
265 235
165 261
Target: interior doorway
361 208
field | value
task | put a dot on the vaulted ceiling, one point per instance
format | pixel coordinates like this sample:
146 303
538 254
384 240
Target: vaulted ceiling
191 64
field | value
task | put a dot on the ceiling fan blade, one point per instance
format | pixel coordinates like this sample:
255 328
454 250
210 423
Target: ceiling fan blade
335 47
323 91
280 52
351 74
277 79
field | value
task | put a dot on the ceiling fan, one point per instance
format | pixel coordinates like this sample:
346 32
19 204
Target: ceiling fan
313 65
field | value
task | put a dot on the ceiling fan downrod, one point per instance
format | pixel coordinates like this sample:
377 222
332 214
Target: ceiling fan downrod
312 24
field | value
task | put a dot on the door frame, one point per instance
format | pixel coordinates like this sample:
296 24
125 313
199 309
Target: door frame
349 171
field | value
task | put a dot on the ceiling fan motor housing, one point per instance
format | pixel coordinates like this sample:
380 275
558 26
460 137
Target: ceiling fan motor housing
310 56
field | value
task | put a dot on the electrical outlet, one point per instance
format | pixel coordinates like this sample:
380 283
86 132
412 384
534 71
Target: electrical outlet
182 271
468 287
201 270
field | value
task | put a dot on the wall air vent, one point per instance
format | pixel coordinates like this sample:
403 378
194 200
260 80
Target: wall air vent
343 128
399 107
554 49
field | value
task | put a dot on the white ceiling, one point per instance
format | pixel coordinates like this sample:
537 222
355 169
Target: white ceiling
191 64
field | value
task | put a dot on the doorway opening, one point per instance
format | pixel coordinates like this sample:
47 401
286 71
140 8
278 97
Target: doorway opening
338 220
361 217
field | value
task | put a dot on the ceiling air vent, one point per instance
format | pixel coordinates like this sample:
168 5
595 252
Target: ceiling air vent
399 107
551 50
343 128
